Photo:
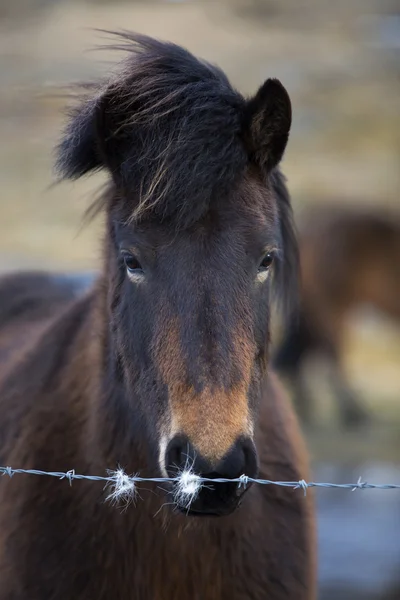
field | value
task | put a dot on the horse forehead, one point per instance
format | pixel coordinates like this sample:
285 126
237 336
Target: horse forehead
250 206
219 235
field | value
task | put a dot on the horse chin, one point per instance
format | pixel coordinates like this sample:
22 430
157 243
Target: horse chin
214 503
222 511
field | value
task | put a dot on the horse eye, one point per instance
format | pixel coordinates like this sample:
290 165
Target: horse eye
132 264
266 262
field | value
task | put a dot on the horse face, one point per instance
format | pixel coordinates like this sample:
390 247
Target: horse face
197 215
192 327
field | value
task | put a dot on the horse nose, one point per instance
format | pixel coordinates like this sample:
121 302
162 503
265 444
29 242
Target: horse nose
220 498
241 459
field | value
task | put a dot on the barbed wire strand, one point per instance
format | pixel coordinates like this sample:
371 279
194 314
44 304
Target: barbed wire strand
186 477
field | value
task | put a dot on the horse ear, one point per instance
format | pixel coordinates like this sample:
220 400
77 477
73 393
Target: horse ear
267 121
87 143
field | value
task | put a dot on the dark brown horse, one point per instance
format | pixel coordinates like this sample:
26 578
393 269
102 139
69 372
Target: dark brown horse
163 361
349 257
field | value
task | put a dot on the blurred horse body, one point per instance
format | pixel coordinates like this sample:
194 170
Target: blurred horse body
161 364
349 257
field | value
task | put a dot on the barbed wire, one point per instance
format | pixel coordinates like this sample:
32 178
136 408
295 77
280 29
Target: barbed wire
188 484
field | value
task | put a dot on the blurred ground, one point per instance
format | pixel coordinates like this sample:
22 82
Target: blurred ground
340 63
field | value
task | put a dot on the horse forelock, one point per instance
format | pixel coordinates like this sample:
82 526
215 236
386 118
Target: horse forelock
173 125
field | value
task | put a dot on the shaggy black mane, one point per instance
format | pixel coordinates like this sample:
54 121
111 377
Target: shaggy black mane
167 126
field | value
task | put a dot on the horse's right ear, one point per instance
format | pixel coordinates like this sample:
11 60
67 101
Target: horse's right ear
87 143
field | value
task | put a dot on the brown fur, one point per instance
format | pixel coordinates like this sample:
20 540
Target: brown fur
61 542
212 441
189 410
94 380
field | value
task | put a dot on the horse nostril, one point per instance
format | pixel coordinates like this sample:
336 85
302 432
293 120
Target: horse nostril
179 454
175 456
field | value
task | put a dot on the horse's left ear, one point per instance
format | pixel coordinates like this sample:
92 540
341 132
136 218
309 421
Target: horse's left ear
266 124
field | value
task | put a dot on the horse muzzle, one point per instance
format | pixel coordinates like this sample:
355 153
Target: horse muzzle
195 497
213 500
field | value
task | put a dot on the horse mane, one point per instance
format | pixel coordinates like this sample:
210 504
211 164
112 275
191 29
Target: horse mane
171 120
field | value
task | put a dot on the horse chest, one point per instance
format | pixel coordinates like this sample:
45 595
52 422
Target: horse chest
166 566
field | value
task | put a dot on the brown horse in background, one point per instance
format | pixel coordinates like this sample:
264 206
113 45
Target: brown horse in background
163 360
349 257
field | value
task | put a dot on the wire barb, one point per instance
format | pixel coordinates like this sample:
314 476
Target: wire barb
123 487
243 481
187 488
302 484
